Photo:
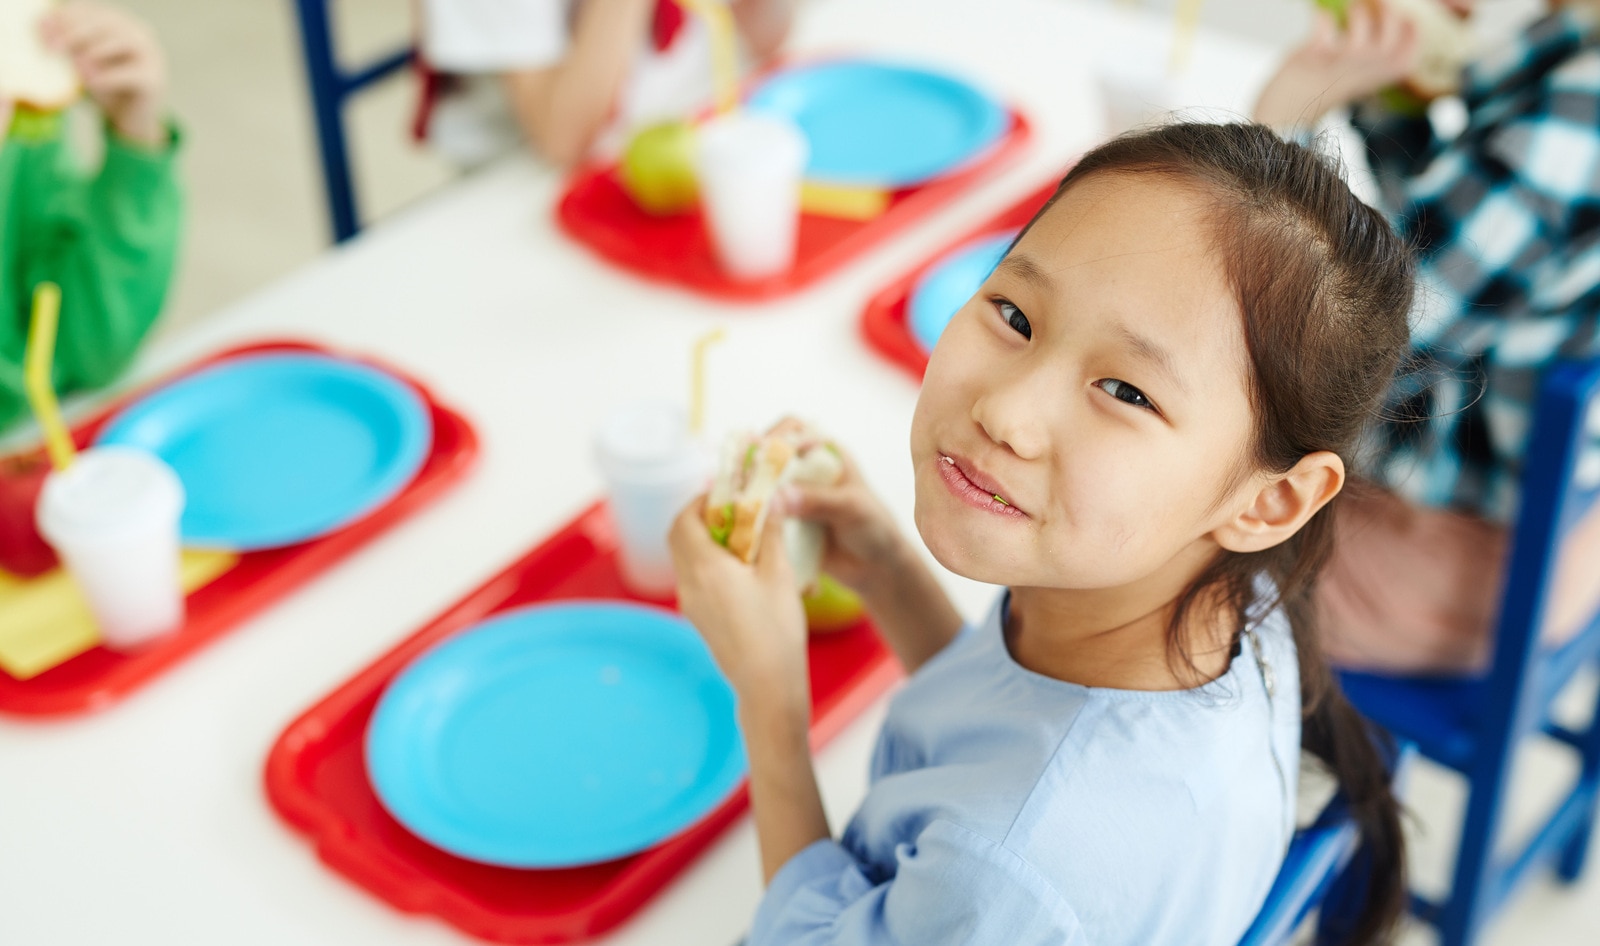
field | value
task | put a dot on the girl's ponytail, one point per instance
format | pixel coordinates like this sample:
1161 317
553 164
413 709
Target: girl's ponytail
1338 735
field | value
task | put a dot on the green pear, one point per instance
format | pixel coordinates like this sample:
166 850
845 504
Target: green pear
832 607
658 168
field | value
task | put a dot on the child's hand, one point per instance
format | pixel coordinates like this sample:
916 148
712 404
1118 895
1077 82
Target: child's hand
749 615
863 540
120 63
1377 48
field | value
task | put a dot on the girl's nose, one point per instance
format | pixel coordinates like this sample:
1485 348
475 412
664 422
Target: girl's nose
1015 412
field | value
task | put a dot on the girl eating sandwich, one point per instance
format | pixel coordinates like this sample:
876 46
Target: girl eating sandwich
1139 427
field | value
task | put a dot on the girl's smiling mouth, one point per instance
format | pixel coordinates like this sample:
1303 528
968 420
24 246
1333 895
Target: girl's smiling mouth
973 487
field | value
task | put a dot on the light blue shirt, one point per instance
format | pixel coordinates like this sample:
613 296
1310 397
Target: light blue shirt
1012 808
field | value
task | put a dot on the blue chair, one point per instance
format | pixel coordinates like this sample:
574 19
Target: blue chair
1473 725
331 86
1316 858
1322 869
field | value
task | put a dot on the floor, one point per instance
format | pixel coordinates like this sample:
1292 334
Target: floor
256 213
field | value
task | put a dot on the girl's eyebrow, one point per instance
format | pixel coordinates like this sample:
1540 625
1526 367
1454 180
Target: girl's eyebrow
1142 347
1024 268
1152 353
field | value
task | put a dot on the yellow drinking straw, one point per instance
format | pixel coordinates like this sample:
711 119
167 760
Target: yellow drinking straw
724 51
36 375
697 379
1188 17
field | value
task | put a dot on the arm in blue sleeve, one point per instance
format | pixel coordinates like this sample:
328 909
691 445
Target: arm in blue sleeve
951 887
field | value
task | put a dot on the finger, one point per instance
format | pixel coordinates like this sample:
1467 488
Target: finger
1324 30
827 504
689 528
772 559
1409 42
119 80
1392 29
1358 27
76 25
106 49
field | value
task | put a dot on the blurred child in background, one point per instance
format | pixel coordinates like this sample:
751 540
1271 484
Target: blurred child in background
568 76
108 238
1505 216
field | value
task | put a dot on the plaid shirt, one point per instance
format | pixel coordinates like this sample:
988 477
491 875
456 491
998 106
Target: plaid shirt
1506 221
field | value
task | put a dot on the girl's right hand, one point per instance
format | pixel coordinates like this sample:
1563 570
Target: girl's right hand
863 542
1377 47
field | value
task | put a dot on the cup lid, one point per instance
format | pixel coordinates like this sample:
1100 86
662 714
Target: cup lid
109 491
646 438
751 139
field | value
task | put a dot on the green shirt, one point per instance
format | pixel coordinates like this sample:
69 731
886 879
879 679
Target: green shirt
108 240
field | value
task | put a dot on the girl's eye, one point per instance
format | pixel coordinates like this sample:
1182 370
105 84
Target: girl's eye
1014 318
1125 392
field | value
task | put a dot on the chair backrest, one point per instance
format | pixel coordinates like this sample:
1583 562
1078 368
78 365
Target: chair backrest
1560 481
330 86
1316 857
1325 867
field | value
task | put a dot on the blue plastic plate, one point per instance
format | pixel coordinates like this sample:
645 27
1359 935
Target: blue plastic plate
944 289
276 449
878 125
556 736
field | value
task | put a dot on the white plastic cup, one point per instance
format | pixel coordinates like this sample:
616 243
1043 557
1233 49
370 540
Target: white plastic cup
750 168
112 517
653 467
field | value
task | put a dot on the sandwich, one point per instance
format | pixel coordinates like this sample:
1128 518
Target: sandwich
31 75
750 471
1446 45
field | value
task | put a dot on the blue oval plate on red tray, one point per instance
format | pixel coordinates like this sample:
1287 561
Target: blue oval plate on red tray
557 735
876 124
276 449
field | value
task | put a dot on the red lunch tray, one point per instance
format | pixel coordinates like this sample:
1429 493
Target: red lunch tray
316 775
883 321
98 677
596 211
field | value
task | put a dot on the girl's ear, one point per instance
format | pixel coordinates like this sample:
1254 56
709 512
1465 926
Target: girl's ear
1283 503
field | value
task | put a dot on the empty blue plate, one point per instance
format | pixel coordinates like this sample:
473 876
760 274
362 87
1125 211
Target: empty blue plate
276 449
557 735
944 289
878 125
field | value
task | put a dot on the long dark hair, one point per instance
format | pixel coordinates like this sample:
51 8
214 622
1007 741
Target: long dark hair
1325 287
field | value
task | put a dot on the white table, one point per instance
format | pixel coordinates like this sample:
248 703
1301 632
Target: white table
146 823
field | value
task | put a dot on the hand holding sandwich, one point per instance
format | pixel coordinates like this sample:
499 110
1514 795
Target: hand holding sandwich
1377 47
120 63
752 620
749 614
835 523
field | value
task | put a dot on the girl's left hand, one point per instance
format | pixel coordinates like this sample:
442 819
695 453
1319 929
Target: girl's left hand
120 63
750 615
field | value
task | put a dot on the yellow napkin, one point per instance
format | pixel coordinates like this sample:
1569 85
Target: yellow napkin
847 201
45 622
